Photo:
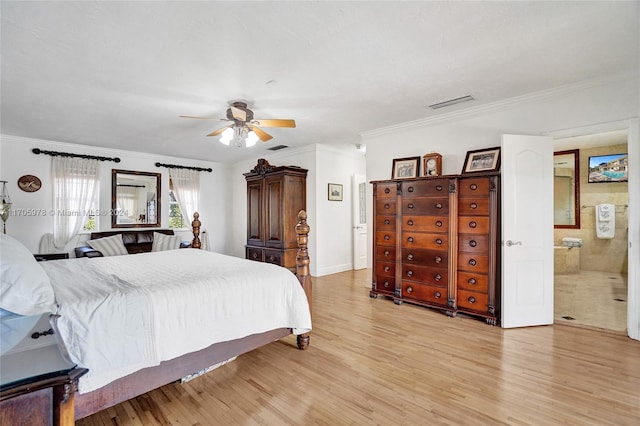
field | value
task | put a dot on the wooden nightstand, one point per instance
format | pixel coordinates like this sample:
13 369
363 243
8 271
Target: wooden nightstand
38 388
50 256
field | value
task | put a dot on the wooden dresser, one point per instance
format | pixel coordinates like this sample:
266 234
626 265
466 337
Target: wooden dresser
436 243
275 195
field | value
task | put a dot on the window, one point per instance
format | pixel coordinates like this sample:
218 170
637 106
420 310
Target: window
93 221
176 221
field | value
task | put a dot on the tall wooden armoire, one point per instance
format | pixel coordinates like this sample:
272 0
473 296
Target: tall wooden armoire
275 195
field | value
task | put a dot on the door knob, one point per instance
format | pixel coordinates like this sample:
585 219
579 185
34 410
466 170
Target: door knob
510 243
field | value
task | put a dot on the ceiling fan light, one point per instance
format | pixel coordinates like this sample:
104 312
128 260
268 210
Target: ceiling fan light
251 139
226 136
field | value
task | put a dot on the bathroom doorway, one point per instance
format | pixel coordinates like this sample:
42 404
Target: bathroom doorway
591 265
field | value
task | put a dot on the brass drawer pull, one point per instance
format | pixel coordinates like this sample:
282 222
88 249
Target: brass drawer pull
473 206
438 205
410 189
438 295
409 256
409 274
439 223
410 239
387 206
471 299
473 186
387 237
410 205
472 262
386 284
472 281
409 289
438 187
387 222
386 253
473 224
254 255
410 222
386 269
437 277
387 190
439 241
437 259
271 258
473 243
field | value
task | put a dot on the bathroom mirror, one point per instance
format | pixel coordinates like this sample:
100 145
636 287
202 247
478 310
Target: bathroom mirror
566 188
135 199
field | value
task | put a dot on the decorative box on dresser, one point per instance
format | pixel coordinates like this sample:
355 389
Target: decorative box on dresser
436 243
275 195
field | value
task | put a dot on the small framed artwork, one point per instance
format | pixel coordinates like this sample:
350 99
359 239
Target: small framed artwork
608 168
405 168
482 160
335 192
432 164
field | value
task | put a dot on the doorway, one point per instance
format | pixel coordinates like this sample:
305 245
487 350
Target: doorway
591 267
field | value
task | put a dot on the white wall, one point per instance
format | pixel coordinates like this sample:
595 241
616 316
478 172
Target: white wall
16 159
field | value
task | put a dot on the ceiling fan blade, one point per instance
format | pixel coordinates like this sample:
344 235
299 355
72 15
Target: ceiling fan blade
238 114
204 118
264 136
217 132
275 123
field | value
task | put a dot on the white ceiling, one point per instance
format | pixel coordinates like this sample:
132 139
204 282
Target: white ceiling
118 74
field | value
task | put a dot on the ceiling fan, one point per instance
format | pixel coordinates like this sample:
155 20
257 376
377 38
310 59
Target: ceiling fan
242 125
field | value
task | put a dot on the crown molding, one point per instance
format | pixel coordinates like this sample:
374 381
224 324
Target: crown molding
500 105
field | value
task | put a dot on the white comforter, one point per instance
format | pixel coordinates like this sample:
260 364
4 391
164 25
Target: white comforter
123 313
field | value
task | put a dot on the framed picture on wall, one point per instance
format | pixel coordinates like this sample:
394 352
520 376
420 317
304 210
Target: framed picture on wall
335 192
405 168
482 160
608 168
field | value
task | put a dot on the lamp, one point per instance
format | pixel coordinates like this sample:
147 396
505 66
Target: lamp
240 136
5 205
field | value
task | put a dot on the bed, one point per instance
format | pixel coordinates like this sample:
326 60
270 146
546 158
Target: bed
136 308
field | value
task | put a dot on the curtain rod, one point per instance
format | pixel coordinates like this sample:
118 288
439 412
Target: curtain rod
67 154
175 166
584 206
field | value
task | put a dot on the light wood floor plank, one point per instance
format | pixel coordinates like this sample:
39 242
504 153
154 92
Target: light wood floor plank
373 362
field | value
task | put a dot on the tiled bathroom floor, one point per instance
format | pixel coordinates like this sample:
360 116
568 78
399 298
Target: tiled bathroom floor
592 299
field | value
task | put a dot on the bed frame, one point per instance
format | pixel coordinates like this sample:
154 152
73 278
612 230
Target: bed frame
169 371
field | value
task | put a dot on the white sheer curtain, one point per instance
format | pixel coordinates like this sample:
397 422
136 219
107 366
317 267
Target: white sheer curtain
75 187
186 189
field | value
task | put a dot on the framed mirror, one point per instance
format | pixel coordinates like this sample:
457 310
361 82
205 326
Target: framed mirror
566 189
135 199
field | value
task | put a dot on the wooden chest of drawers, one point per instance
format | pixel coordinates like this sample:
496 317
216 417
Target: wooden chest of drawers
436 243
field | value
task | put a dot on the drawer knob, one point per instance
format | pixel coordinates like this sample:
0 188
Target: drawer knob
439 241
438 295
386 269
387 190
473 243
471 299
271 258
437 277
438 187
437 259
386 253
387 206
409 273
473 224
473 186
410 205
439 205
473 206
387 237
387 222
410 222
254 255
409 289
439 223
409 256
472 262
410 189
472 281
386 284
410 239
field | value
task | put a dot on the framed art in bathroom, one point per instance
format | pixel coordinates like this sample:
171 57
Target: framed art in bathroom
608 168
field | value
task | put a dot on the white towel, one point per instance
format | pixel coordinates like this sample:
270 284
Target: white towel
605 221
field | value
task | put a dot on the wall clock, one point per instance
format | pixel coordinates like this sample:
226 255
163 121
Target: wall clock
29 183
432 165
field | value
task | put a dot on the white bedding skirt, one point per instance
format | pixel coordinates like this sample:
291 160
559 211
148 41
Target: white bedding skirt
120 314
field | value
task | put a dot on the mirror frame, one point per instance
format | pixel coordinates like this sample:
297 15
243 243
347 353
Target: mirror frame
114 204
576 188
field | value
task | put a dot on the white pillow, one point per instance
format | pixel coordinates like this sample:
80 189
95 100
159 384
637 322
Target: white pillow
162 242
26 289
109 246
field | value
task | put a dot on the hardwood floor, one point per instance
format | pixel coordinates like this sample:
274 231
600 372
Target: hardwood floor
373 362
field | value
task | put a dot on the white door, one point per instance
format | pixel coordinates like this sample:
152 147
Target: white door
527 230
359 208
